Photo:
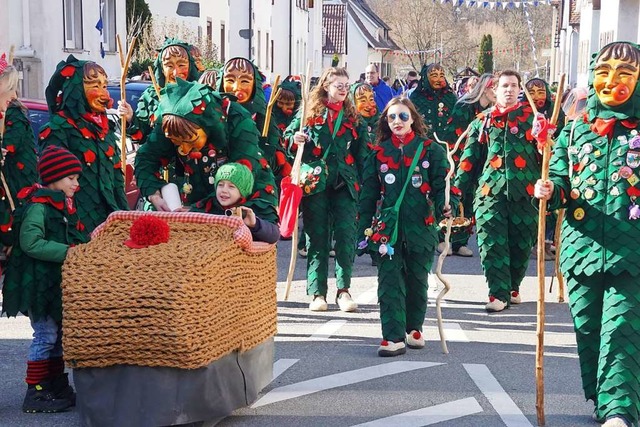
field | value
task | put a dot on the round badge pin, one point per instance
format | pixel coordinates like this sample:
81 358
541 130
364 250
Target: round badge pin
575 193
578 214
587 148
317 170
615 177
389 178
425 164
205 159
513 130
589 193
593 167
384 168
625 172
211 180
614 191
212 153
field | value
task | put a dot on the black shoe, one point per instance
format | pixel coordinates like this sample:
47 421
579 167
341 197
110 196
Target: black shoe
41 398
62 390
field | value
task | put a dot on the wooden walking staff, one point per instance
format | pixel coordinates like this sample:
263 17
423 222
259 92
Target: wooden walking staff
542 215
557 243
124 65
295 176
447 235
272 100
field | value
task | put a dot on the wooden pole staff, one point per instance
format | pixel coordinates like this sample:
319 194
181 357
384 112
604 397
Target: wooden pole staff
11 53
295 176
542 215
447 235
274 98
154 81
124 65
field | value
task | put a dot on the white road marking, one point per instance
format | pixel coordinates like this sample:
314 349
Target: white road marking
282 365
293 391
368 297
328 329
511 415
430 415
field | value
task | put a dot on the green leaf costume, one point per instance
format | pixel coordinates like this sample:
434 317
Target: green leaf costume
502 159
547 109
334 210
46 226
270 145
595 169
402 278
145 116
434 105
231 137
90 137
19 165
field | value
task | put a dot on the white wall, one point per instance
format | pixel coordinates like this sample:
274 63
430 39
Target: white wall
357 51
36 31
216 11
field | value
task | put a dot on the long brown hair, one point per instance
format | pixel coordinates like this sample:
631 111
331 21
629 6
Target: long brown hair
319 95
383 132
176 126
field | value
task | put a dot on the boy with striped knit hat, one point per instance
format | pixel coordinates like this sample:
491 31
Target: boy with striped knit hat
48 227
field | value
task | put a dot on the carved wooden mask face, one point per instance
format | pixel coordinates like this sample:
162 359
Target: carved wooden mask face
615 81
365 102
95 90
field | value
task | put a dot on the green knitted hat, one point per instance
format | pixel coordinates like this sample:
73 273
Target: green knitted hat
239 175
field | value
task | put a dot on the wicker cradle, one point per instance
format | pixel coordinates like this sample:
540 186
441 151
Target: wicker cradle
207 292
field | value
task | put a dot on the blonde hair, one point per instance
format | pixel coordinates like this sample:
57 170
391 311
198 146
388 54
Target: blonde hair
9 79
319 95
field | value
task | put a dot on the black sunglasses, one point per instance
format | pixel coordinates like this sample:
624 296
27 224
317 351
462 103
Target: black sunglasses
403 116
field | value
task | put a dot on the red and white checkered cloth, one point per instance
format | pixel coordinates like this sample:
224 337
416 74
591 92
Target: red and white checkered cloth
242 234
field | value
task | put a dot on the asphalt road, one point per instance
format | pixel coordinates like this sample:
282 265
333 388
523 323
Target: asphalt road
328 373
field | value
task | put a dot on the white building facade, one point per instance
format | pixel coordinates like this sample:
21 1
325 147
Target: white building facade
45 32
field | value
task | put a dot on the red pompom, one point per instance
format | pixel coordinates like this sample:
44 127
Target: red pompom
147 230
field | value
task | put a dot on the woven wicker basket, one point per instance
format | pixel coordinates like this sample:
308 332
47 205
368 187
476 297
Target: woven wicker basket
207 292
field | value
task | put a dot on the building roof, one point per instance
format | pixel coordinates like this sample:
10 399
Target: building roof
334 25
374 42
375 18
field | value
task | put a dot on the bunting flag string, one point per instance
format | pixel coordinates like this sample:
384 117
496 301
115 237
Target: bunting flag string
506 4
525 9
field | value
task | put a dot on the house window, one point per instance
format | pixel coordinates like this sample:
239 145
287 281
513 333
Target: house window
223 42
72 23
109 24
259 55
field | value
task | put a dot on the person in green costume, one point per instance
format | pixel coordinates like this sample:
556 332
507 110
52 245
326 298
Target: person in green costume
287 104
201 131
468 107
502 159
407 170
541 96
47 227
175 60
594 175
78 99
242 78
364 100
333 132
433 98
18 159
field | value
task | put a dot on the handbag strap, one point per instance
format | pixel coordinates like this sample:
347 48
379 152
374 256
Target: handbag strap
396 207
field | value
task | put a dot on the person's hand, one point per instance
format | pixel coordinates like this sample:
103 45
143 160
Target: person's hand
248 216
125 110
446 211
183 209
158 202
543 189
300 138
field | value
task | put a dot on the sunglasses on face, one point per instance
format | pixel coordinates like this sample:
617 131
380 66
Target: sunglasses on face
403 116
342 87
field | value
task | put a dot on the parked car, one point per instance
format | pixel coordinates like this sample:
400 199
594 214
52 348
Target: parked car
575 103
39 116
133 89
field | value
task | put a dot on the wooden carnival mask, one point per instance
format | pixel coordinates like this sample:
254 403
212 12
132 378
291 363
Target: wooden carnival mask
538 94
175 63
615 81
365 101
286 102
184 134
95 82
239 79
436 78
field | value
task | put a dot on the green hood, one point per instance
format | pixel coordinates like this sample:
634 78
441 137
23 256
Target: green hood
197 103
294 86
595 109
194 74
257 104
65 91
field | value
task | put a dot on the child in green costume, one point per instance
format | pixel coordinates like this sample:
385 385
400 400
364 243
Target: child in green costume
332 133
364 100
502 159
47 228
433 98
594 175
468 107
404 172
202 131
77 97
